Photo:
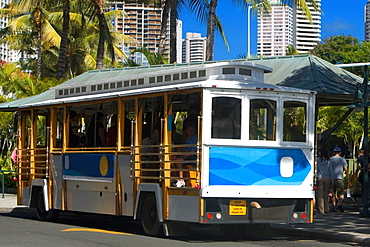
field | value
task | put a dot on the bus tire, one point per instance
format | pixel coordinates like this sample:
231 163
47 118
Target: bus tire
41 213
149 216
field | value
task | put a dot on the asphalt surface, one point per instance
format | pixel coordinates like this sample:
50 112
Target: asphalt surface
352 225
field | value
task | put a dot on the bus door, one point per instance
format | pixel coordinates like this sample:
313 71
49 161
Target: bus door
33 152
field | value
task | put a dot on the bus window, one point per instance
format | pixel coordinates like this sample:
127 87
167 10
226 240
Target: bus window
226 117
262 120
152 113
27 130
41 131
59 134
96 131
77 137
129 116
185 109
294 121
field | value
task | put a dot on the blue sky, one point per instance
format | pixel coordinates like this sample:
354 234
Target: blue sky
339 17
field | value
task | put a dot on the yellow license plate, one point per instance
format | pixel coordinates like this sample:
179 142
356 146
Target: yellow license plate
238 207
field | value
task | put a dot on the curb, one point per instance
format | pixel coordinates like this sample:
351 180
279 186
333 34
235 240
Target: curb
362 239
19 210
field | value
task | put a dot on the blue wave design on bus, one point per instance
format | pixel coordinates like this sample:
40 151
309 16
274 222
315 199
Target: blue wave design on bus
252 166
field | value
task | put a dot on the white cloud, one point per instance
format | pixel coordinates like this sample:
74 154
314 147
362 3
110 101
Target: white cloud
338 26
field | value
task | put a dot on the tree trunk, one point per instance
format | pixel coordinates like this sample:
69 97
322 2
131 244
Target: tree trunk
100 13
39 50
162 36
211 30
64 41
173 32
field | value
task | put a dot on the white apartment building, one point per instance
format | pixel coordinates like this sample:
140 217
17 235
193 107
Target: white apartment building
367 20
193 48
7 54
143 23
286 25
274 30
307 34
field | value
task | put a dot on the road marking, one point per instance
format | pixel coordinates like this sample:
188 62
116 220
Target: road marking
93 230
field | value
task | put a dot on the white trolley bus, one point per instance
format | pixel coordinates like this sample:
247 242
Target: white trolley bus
117 142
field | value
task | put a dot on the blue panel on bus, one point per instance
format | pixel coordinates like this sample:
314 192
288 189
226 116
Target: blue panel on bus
99 166
252 166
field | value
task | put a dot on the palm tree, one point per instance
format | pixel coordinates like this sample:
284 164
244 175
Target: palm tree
104 33
170 10
291 50
31 16
99 12
82 40
64 40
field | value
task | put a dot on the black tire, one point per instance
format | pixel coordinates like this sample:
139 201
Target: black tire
41 213
149 216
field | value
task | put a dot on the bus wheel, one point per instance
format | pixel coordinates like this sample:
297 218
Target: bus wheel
41 213
149 217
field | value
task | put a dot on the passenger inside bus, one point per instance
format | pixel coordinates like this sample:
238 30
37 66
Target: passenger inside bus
127 132
96 131
193 114
225 127
112 132
146 142
190 155
74 139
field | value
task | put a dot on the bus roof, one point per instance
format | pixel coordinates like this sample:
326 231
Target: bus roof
103 84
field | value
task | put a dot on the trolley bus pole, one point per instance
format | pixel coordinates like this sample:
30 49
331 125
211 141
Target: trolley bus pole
365 212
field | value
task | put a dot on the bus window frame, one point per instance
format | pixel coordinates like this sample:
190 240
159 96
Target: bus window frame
245 114
207 113
306 101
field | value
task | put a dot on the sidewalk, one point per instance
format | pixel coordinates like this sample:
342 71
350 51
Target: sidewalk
9 203
346 227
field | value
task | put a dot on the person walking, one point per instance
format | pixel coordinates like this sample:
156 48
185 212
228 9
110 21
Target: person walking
337 165
323 178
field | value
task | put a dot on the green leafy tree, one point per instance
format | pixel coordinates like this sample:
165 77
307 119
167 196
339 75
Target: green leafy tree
15 84
291 50
31 16
351 129
154 58
343 49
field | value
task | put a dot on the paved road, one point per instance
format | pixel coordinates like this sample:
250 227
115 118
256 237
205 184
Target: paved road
94 230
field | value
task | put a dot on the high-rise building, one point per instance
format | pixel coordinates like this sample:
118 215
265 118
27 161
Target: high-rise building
193 48
307 33
274 30
143 23
286 25
6 54
367 21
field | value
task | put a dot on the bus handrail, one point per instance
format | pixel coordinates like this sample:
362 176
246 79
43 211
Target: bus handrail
161 161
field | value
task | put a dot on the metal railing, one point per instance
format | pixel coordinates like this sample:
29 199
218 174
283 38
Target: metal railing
3 181
32 163
151 165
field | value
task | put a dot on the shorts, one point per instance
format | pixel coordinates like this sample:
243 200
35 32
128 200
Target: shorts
338 187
